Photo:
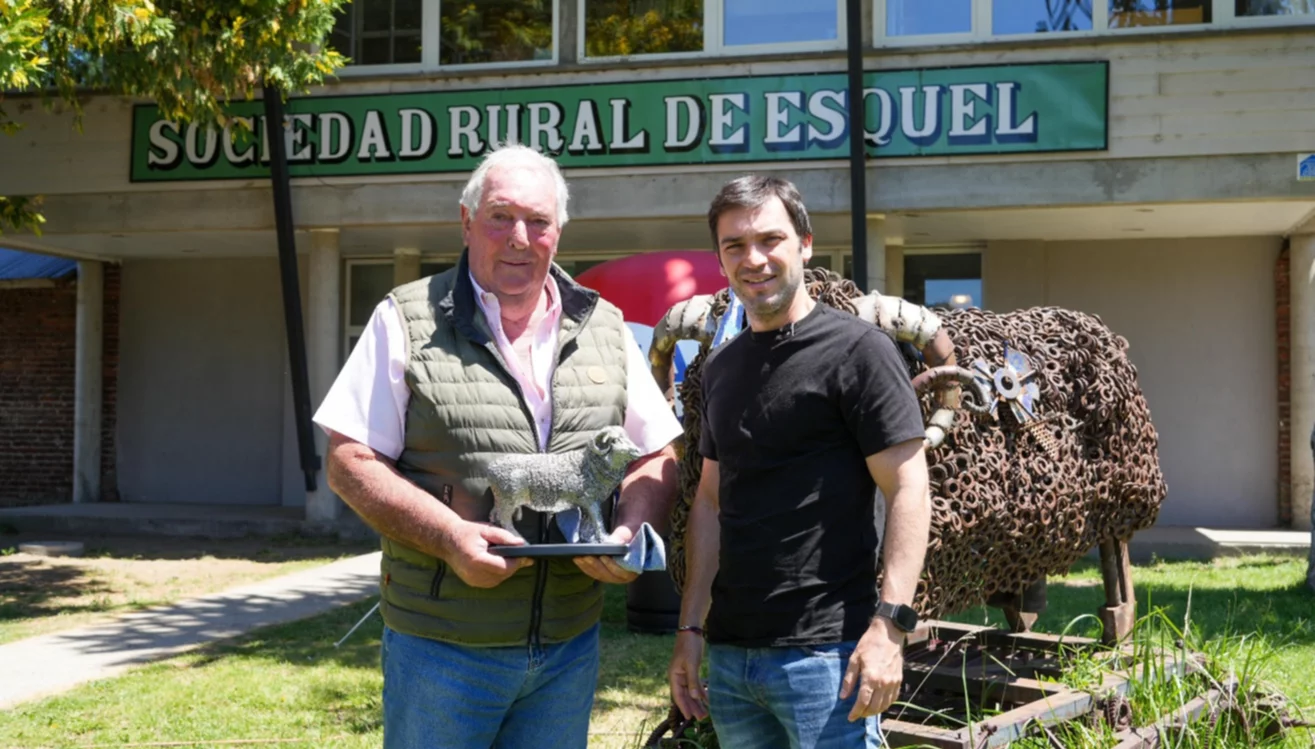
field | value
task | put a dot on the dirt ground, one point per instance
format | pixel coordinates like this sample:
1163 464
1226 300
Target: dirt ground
117 574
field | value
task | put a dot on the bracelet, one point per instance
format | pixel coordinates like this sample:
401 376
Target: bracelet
690 628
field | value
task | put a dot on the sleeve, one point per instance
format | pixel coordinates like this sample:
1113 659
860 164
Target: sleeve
876 395
649 421
368 400
707 447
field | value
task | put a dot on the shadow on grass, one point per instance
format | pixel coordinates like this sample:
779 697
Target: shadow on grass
1228 600
31 589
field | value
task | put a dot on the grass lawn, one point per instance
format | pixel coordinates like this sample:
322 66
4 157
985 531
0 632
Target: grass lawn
289 682
117 574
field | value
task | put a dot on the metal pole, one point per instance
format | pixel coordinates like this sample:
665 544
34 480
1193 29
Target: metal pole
857 148
287 243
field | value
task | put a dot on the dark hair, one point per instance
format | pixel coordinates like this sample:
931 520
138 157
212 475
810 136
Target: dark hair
752 191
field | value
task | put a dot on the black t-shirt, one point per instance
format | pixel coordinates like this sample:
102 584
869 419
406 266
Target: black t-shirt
790 415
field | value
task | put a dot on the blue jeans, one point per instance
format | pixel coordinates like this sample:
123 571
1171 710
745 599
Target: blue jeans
773 698
443 696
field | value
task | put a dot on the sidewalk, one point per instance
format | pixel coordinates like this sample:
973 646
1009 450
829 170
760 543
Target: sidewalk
41 666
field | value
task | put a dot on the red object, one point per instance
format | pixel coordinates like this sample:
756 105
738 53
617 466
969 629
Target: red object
646 285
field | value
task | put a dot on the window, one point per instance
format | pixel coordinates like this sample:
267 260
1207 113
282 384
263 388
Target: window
943 280
485 31
928 17
623 28
379 32
921 22
620 28
1131 13
1039 16
748 22
1247 8
407 35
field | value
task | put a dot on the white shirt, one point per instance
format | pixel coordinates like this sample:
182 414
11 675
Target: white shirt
368 400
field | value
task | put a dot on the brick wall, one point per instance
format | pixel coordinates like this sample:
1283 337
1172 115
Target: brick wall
38 349
1282 327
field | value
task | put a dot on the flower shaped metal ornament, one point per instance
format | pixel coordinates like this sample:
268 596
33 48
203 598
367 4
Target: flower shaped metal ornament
1014 384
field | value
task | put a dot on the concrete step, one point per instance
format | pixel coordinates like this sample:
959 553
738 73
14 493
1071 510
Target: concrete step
124 518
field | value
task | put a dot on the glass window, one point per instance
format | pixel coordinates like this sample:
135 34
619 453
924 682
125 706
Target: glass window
820 260
368 284
477 31
1275 7
777 21
379 32
428 269
642 27
1040 16
1131 13
915 17
946 281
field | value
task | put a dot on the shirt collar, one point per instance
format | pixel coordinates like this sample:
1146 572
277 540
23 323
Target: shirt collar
488 301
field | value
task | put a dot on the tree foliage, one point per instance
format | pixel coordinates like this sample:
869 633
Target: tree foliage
192 57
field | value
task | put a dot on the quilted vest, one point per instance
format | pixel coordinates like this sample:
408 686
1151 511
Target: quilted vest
466 409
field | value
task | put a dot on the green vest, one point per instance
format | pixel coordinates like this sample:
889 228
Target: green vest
466 409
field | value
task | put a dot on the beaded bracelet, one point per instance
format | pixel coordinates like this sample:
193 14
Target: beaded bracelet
690 628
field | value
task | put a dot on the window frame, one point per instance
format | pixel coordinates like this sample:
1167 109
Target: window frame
431 53
1222 11
713 14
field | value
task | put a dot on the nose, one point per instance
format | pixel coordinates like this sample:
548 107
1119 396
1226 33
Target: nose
756 256
520 235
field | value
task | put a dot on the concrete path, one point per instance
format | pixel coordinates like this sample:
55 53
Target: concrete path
45 665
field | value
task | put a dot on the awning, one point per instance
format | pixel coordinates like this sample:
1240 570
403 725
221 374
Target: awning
15 265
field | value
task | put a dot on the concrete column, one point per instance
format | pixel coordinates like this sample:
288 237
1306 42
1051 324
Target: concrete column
894 269
1302 310
876 250
323 320
89 372
406 265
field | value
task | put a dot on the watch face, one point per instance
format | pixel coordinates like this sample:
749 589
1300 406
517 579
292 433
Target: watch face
906 618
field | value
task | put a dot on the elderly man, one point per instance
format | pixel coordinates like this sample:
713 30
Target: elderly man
503 354
805 414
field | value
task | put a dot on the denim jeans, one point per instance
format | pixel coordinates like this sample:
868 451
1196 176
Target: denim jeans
443 696
773 698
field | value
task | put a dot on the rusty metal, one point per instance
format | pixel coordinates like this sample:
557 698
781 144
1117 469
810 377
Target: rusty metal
1014 498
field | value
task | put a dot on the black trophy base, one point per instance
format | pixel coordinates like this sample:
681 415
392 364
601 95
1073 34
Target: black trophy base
560 550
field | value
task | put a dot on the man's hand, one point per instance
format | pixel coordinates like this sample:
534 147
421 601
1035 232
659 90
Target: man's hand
683 675
470 558
605 569
876 668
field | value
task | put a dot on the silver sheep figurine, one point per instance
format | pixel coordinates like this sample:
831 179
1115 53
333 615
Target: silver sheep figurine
555 482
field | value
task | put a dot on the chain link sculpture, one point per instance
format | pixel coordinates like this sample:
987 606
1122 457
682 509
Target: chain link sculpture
1039 452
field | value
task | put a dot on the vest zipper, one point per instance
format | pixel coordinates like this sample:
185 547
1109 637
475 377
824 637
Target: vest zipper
438 580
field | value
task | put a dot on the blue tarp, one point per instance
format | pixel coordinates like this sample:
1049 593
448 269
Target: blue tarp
16 265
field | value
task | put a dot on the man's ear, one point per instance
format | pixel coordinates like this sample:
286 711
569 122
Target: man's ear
806 247
465 225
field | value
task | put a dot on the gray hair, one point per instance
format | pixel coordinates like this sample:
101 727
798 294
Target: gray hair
517 154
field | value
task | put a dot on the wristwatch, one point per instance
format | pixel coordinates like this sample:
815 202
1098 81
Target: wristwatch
903 617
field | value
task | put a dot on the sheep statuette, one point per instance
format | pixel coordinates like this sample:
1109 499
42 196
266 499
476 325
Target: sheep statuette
555 482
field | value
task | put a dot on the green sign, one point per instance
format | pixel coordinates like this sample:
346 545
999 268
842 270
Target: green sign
934 112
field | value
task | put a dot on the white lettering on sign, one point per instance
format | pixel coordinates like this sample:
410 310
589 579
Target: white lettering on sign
1006 131
374 139
545 127
622 141
834 116
779 105
723 117
164 152
586 139
693 135
336 136
417 134
966 127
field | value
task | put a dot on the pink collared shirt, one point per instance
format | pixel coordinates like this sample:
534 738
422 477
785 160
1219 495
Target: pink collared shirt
368 400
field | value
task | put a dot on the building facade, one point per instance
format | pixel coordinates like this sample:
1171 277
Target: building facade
1148 162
